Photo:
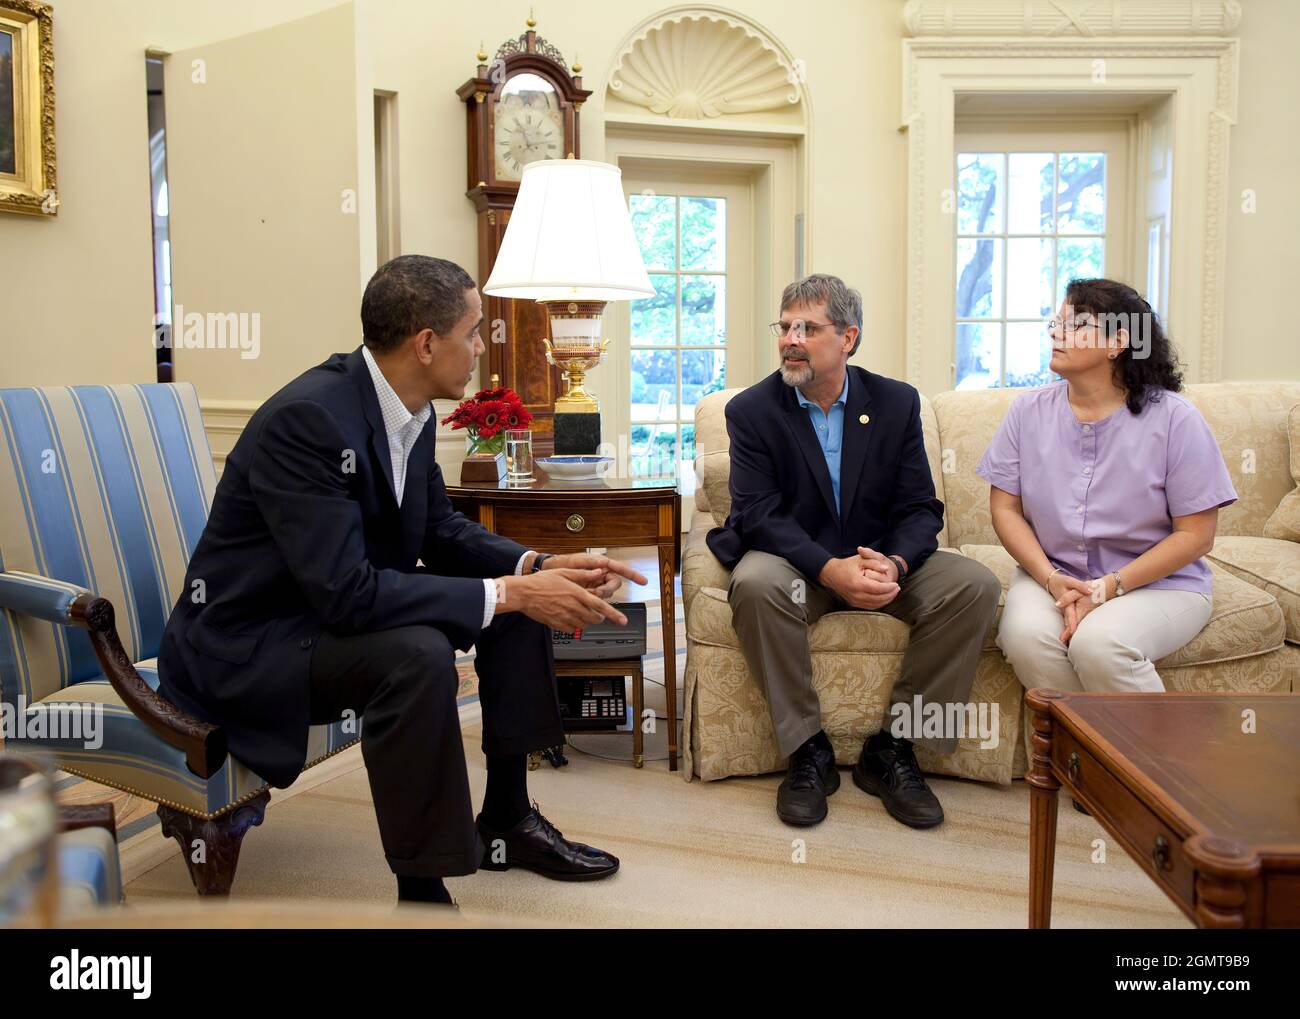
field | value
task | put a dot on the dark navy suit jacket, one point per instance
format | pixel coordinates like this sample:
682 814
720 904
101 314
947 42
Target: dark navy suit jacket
305 535
781 500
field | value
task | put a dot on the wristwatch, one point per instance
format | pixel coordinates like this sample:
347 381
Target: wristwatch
902 568
538 560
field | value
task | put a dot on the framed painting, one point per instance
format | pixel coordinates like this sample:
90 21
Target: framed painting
27 166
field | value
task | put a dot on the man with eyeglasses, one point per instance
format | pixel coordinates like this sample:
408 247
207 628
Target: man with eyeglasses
833 508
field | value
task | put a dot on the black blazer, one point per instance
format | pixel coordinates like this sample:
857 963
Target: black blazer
305 535
781 499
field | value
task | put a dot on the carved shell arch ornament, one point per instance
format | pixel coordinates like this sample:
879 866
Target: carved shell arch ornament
696 63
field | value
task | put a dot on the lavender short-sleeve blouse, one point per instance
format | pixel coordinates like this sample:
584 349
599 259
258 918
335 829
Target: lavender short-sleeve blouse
1098 495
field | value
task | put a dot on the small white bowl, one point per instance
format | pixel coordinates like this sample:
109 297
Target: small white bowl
575 467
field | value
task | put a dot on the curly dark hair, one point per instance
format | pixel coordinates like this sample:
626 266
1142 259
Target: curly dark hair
1149 364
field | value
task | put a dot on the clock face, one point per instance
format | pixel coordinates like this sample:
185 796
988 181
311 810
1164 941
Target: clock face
529 125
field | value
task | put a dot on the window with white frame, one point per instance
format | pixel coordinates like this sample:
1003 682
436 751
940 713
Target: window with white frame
1027 223
679 336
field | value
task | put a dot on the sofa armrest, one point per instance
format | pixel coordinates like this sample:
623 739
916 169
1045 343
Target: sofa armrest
700 567
67 604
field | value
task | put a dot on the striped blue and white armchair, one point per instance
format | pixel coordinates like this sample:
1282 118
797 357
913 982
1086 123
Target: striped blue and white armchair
104 491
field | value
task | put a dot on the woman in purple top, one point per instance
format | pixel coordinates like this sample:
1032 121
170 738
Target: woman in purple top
1106 489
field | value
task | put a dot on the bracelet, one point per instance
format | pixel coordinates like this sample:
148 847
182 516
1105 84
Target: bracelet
1054 572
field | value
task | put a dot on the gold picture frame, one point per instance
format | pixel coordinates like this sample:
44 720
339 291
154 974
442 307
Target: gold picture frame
28 181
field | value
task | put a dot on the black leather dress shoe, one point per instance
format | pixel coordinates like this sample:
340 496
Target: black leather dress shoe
801 798
887 768
537 845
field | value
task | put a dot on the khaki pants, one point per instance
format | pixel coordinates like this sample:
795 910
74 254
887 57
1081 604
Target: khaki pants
1115 646
949 603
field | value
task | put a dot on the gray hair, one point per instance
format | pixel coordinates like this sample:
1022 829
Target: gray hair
843 303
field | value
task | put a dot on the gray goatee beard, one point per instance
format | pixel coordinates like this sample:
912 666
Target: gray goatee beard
798 375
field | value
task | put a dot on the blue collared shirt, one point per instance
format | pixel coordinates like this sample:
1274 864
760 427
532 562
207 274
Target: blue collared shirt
830 432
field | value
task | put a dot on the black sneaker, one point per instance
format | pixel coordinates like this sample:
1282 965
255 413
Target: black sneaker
801 798
887 768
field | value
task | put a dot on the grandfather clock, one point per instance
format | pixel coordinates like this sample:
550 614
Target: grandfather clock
521 107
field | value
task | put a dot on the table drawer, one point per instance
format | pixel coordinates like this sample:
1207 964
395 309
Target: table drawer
592 526
1156 846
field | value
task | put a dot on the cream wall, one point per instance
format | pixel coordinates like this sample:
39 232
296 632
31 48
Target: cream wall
262 170
1259 339
77 289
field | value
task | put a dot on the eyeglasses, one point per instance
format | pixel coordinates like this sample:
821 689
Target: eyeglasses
1071 327
800 327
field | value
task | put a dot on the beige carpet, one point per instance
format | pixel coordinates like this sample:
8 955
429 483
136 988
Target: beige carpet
705 855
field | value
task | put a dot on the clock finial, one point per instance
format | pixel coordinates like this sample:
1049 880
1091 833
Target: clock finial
532 20
577 67
482 52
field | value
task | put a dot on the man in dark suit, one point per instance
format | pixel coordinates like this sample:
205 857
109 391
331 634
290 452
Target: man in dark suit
833 508
304 602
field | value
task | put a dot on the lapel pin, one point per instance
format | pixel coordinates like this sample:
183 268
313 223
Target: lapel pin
864 419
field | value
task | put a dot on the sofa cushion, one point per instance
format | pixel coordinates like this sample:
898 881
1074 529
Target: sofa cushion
714 471
1249 420
997 559
1270 564
967 421
1245 621
1284 523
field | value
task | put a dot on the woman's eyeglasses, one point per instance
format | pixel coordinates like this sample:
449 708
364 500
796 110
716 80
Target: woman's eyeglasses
1071 326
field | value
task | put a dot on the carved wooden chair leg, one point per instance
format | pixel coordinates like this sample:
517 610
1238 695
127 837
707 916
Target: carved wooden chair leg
211 848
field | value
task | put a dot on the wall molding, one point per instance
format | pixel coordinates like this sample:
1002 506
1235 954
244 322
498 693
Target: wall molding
1199 73
1079 18
704 62
224 422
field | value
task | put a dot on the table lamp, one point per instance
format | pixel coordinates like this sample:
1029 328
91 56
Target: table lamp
569 246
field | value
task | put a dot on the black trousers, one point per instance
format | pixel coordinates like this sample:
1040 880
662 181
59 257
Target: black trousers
402 683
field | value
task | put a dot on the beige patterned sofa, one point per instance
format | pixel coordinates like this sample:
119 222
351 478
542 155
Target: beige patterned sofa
1252 641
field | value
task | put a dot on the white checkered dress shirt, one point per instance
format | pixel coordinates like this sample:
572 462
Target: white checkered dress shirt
403 430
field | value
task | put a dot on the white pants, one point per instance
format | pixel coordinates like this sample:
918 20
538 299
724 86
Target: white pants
1114 647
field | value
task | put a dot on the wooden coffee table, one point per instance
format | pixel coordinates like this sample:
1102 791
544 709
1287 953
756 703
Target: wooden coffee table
573 516
1209 810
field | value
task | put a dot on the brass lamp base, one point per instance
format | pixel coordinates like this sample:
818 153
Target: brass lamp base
575 347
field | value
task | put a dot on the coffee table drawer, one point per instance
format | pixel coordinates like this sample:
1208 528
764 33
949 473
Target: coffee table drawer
1156 846
594 526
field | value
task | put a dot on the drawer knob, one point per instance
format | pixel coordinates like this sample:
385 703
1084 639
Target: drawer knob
1160 853
1072 767
575 523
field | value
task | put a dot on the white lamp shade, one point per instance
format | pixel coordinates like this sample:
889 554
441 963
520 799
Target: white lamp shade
570 236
